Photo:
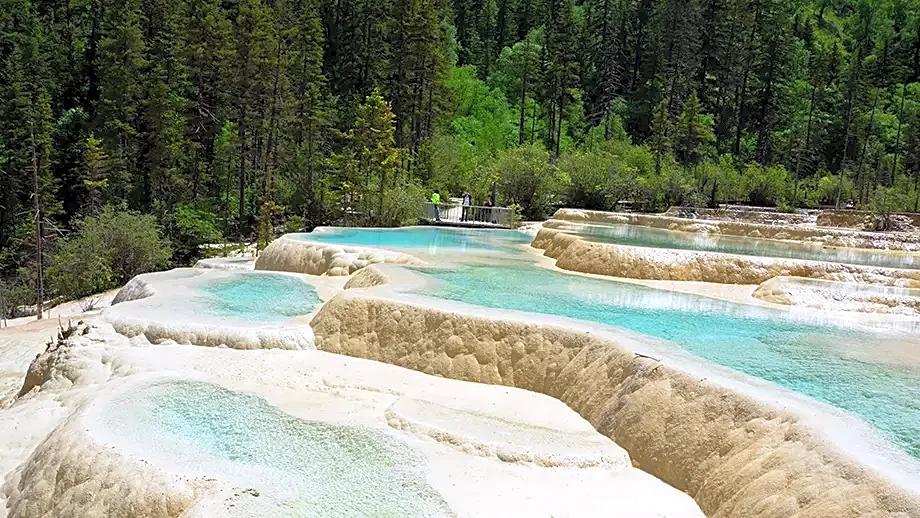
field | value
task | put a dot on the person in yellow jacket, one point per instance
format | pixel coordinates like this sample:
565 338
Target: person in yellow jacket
436 200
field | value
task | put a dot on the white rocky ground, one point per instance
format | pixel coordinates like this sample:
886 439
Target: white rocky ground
168 306
483 450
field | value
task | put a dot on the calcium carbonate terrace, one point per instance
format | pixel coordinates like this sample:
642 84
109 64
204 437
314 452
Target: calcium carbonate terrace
591 394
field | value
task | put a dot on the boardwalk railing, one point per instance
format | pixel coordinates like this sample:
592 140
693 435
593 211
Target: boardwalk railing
472 215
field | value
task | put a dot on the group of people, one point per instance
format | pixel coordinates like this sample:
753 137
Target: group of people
467 202
824 202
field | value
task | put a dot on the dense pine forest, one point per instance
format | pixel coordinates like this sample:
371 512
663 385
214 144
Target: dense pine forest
131 132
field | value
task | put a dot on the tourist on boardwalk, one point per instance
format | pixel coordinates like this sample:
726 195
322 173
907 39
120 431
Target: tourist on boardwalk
467 201
487 212
436 200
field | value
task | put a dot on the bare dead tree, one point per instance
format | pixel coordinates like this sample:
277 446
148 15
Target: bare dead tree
40 281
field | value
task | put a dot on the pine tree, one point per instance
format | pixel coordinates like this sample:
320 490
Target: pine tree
372 144
693 136
311 118
210 54
255 59
417 72
94 171
661 129
122 61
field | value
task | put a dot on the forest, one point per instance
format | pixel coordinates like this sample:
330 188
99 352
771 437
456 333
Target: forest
133 132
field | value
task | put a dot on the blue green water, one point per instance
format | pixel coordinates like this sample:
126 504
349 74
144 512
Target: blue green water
306 468
637 235
806 358
259 296
433 240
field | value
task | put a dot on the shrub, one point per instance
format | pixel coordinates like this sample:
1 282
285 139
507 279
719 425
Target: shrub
590 173
294 224
107 250
401 204
718 182
526 177
884 203
766 186
189 228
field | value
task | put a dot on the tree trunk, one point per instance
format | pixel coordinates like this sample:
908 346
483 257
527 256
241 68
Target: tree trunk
242 170
846 146
40 272
559 130
523 97
862 156
897 139
798 160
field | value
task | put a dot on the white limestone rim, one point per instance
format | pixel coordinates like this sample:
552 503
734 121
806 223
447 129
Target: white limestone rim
866 446
191 328
327 258
397 384
556 224
907 242
227 263
665 258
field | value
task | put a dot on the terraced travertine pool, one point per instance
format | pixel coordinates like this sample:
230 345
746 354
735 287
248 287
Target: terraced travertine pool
638 235
431 240
839 363
297 467
259 296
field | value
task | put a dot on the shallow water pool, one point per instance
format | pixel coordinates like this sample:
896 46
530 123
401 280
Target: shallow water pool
829 363
296 466
637 235
432 240
265 297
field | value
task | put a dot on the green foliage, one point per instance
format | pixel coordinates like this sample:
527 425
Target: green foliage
401 204
598 178
199 113
294 224
189 227
525 176
106 251
269 213
766 186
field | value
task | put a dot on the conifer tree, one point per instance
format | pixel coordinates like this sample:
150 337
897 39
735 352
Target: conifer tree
693 136
373 147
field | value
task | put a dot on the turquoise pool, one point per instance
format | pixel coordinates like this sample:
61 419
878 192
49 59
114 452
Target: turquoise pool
265 297
432 240
300 467
637 235
811 359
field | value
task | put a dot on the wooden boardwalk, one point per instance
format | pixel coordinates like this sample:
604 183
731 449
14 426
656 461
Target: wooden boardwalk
474 216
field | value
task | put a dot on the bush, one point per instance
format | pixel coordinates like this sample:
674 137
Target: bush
189 228
294 224
884 203
718 182
106 251
766 186
401 204
526 177
590 173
